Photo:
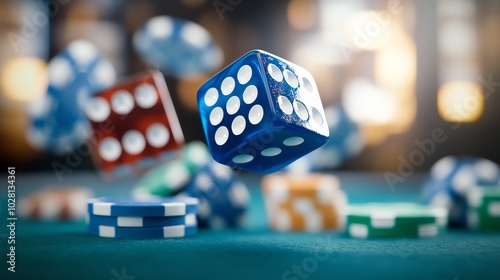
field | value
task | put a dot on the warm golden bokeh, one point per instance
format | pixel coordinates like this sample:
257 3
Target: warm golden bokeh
187 89
24 79
460 102
302 14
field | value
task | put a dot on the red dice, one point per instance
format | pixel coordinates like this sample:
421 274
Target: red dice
134 125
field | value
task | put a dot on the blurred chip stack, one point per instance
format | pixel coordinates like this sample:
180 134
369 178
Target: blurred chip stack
484 209
223 197
53 204
451 178
311 202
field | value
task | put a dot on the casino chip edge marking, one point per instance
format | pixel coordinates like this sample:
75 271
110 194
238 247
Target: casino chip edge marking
114 221
144 232
395 220
153 207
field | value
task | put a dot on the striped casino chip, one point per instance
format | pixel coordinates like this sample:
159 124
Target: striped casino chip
484 209
68 203
191 49
395 220
223 197
452 177
309 202
57 121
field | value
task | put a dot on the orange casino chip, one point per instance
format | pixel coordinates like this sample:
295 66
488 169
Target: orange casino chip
68 203
308 202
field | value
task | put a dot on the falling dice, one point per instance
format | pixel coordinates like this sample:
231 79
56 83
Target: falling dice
261 113
135 125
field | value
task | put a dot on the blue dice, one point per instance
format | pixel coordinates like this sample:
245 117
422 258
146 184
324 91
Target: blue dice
261 113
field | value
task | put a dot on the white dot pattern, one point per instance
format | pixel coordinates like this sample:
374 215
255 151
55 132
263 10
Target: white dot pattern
300 110
293 141
157 135
211 97
244 158
250 94
221 135
275 72
271 152
290 78
285 105
216 116
97 109
110 149
146 96
307 84
256 114
227 86
238 125
122 102
233 105
316 116
133 142
244 74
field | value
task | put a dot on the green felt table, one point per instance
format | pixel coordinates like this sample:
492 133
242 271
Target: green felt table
63 250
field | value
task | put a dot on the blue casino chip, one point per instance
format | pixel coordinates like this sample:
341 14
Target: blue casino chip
147 207
57 121
144 232
177 46
223 198
121 221
451 178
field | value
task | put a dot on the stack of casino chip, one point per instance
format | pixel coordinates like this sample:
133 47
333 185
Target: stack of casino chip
395 220
121 217
223 197
50 204
309 202
484 209
452 177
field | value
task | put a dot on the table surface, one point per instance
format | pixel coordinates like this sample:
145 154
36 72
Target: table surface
63 250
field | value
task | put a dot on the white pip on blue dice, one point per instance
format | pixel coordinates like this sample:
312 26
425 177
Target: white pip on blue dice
452 177
58 123
261 113
177 46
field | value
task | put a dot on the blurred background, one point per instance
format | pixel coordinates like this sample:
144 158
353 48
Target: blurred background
399 69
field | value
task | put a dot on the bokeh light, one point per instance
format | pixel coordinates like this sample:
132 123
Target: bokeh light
368 30
24 79
460 102
395 63
187 89
302 14
368 104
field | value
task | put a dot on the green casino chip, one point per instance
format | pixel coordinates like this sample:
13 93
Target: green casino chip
484 208
165 180
195 155
171 177
394 220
